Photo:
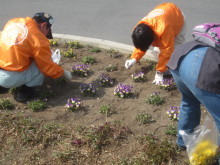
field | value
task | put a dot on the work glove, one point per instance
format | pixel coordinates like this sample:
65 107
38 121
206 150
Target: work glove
156 52
129 63
67 75
158 78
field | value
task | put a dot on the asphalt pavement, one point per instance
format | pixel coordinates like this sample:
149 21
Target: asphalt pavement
111 20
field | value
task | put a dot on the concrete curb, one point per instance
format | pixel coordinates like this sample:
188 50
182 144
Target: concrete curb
105 44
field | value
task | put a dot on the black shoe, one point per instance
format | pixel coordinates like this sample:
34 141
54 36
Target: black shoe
181 148
25 93
3 90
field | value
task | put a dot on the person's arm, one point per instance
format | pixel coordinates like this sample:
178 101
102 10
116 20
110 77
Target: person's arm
136 56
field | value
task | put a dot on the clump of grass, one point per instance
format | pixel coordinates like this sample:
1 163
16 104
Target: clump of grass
113 53
69 53
5 104
73 44
36 105
171 130
97 137
155 99
156 150
106 109
144 118
95 50
111 68
88 60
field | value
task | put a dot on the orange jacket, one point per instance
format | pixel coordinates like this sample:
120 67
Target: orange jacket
21 42
166 20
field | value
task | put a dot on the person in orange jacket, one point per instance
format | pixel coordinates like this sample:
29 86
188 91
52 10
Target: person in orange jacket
163 28
26 57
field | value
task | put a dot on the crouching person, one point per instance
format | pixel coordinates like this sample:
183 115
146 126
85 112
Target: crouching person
195 68
25 55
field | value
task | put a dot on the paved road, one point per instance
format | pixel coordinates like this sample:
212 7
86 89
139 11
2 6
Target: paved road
105 19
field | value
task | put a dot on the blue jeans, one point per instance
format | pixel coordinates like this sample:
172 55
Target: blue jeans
30 77
192 97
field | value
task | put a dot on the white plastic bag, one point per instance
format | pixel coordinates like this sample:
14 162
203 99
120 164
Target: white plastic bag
202 144
56 56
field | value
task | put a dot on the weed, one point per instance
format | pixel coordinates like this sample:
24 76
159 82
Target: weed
73 44
36 105
88 60
114 53
69 53
106 109
157 151
99 136
95 50
171 130
155 99
53 43
5 104
111 68
144 118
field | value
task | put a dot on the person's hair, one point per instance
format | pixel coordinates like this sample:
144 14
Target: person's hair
142 36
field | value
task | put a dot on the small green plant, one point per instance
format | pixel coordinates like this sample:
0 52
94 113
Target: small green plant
73 44
111 68
88 60
53 42
144 118
171 130
106 109
95 50
36 105
114 53
5 104
69 53
12 90
155 99
60 81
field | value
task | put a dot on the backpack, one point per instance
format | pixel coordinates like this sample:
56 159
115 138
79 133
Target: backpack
208 33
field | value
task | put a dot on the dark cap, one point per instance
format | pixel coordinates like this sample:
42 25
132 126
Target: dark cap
45 17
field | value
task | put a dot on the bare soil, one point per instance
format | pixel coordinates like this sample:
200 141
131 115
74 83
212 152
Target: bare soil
126 110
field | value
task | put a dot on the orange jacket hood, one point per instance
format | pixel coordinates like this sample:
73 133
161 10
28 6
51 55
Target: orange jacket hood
21 43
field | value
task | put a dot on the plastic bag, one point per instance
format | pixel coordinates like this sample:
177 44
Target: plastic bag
56 56
202 145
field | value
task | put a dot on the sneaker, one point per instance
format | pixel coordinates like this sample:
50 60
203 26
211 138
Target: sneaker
3 90
25 93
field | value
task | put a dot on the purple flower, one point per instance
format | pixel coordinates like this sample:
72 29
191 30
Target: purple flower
173 112
105 80
123 91
73 104
80 70
88 89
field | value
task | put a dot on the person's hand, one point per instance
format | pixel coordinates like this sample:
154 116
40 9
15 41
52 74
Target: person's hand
158 78
67 75
129 63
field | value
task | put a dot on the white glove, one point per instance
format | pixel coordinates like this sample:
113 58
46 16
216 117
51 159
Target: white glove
156 52
67 75
129 63
158 78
